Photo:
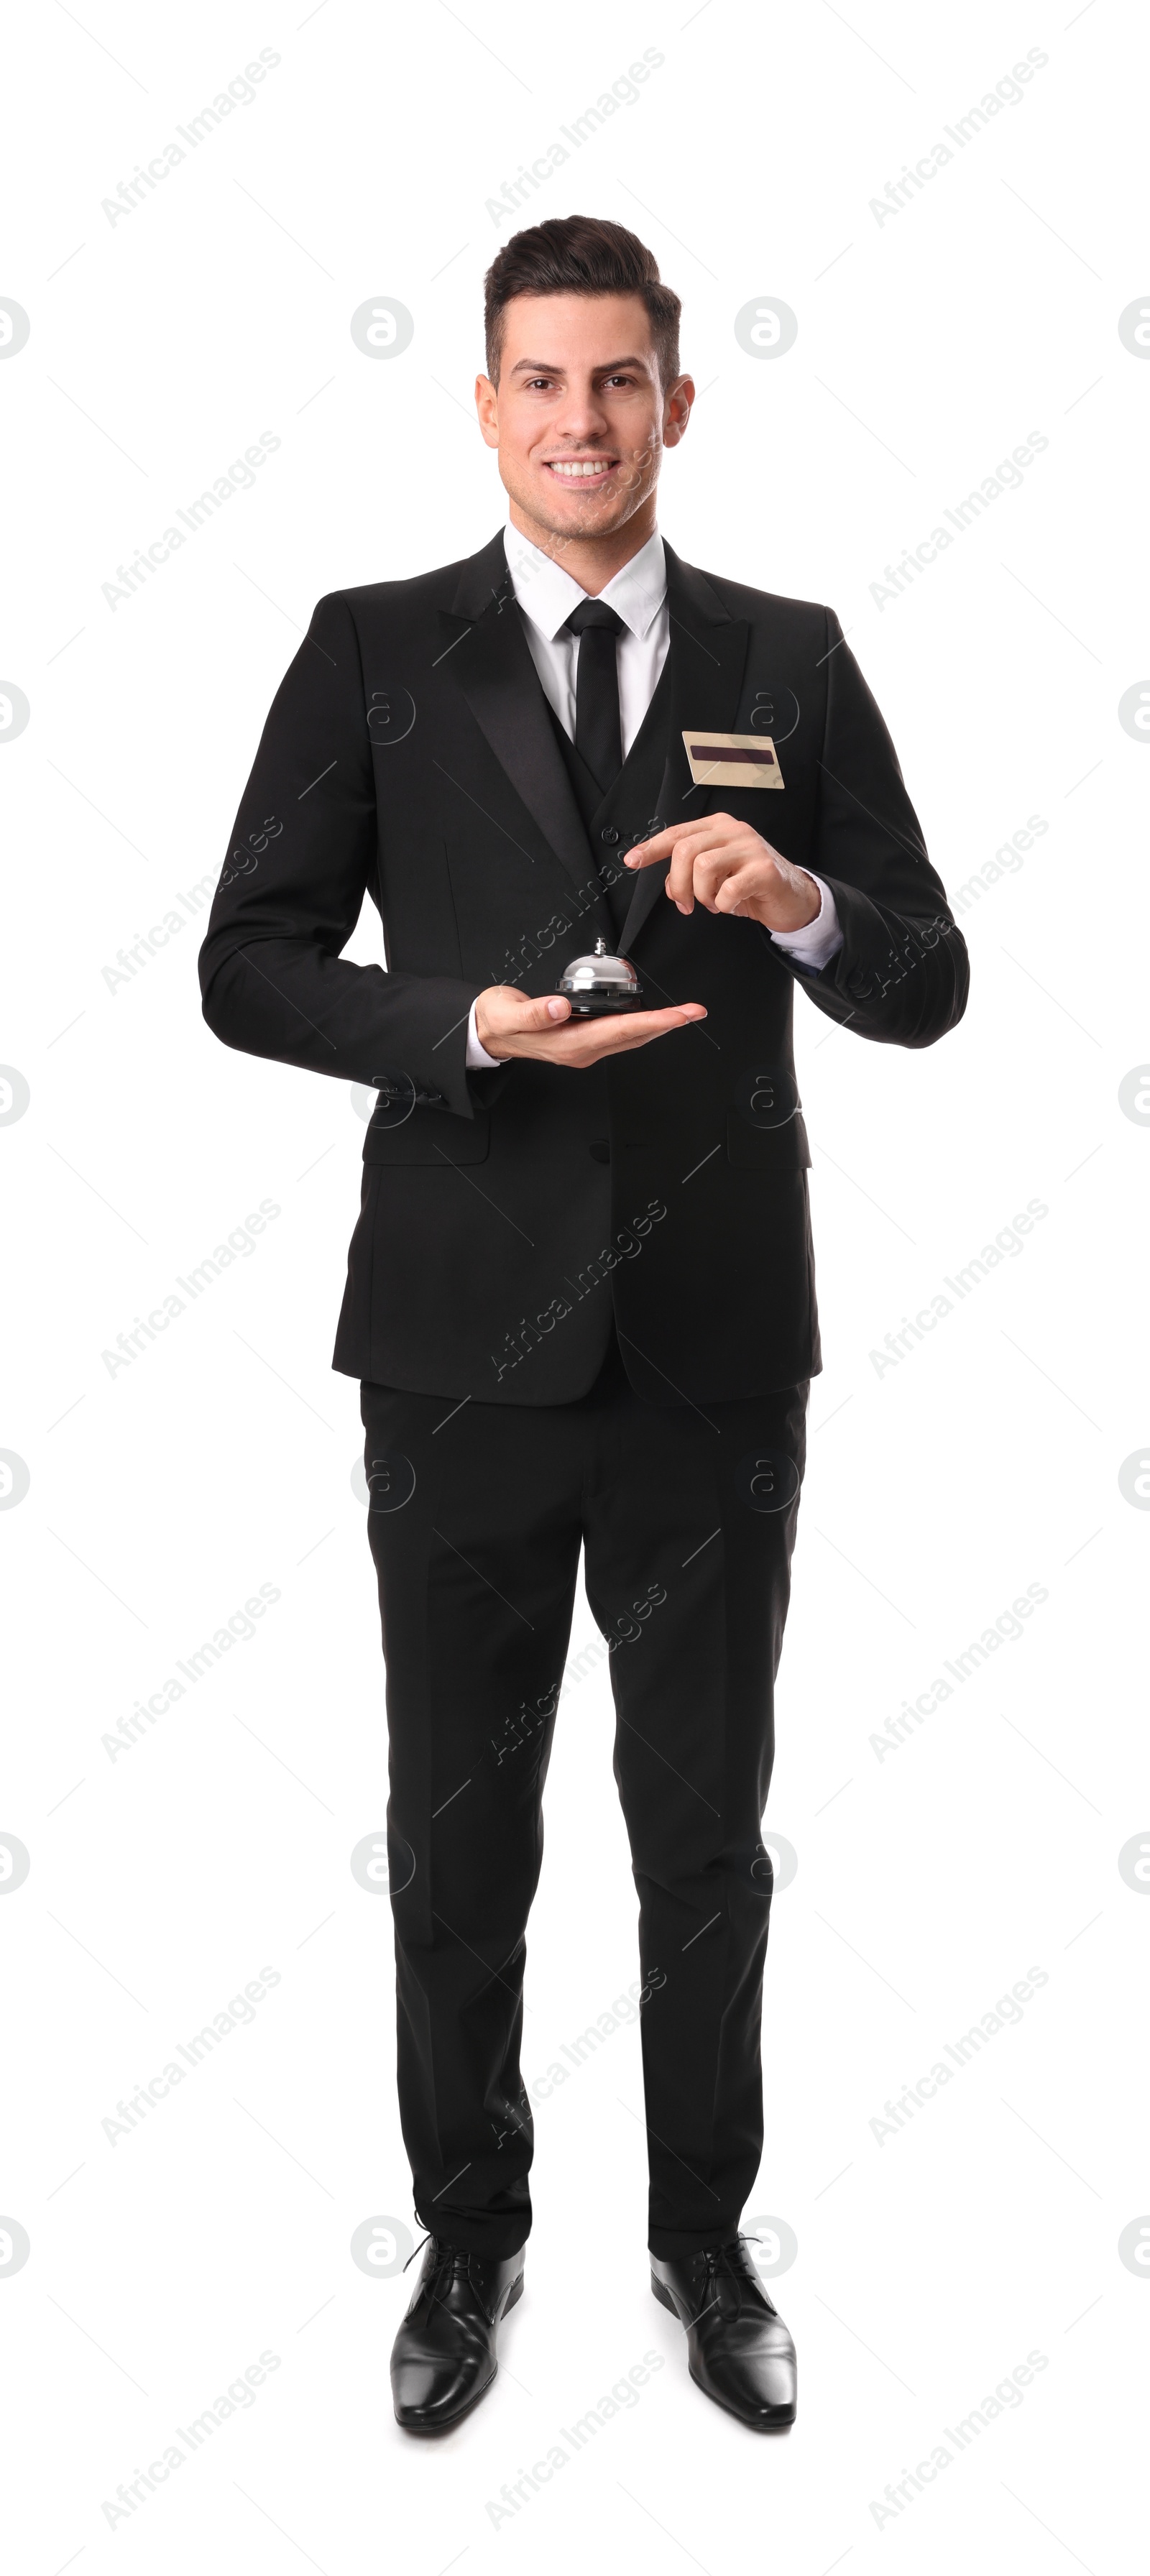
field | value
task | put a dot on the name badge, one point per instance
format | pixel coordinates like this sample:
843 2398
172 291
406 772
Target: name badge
732 759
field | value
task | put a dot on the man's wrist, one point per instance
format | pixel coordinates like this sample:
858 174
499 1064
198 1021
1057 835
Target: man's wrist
808 890
820 938
477 1059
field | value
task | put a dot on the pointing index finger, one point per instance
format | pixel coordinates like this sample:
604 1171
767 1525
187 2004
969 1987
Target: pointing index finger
660 846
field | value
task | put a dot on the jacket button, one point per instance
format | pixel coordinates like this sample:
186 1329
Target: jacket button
609 834
600 1151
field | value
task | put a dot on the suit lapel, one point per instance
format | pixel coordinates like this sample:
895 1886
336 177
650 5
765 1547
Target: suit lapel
490 663
708 650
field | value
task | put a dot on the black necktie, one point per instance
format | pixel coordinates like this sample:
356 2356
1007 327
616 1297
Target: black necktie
597 735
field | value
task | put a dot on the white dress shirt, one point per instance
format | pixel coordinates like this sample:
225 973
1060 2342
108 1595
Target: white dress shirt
638 594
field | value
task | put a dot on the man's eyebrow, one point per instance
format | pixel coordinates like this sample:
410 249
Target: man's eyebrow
545 367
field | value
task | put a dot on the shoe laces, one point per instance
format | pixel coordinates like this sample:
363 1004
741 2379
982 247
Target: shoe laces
725 2276
447 2263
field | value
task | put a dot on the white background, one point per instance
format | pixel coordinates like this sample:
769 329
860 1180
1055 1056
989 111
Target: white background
931 2261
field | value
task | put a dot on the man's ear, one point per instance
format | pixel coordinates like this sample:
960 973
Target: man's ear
487 406
677 410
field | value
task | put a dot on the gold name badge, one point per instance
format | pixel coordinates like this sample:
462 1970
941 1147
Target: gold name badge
732 759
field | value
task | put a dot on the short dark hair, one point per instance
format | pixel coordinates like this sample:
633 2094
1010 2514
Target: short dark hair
581 255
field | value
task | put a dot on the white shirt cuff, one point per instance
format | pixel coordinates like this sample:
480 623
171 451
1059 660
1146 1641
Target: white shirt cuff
818 940
477 1058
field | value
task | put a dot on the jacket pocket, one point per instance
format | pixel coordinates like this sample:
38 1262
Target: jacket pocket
767 1149
429 1136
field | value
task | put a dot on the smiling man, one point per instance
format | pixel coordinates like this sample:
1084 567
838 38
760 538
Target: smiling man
580 1294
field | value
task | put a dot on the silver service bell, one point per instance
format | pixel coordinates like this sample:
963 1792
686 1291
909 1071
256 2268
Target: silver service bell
599 983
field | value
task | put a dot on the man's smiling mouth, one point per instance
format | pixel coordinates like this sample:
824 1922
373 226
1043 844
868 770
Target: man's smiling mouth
582 469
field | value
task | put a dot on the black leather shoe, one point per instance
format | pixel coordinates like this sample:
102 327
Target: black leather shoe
443 2359
740 2351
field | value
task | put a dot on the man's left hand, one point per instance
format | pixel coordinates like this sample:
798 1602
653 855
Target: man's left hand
728 867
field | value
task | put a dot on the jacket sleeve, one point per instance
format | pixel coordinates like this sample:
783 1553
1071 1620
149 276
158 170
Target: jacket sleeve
301 856
902 974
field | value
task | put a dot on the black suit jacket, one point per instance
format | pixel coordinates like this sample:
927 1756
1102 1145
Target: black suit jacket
410 754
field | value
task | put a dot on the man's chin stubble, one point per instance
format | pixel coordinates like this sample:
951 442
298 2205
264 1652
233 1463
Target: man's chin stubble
592 521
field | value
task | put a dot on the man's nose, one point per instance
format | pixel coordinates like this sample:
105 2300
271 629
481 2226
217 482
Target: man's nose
581 415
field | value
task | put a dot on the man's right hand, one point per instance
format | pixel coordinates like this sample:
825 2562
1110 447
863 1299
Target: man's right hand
509 1023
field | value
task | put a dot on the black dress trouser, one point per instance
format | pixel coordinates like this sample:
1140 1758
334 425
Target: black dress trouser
687 1519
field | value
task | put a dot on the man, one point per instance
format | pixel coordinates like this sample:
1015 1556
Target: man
580 1296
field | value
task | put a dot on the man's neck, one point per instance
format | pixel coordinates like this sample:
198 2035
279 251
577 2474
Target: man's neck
591 561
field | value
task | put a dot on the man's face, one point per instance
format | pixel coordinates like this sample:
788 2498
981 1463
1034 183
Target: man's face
580 418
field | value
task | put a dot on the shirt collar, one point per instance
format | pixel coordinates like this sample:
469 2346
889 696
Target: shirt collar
547 594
